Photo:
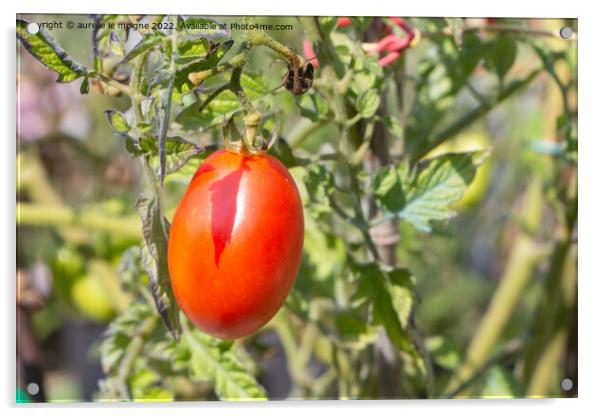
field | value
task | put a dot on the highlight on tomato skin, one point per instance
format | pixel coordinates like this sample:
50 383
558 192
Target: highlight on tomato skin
235 243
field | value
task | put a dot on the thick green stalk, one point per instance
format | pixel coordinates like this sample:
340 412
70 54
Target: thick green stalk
62 216
296 361
523 258
544 376
544 351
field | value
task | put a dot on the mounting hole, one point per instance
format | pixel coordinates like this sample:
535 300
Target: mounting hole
566 384
33 28
566 32
33 389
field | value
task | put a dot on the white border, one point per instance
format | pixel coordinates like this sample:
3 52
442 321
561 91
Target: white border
590 288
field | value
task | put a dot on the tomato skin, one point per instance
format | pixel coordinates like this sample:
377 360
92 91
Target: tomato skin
235 243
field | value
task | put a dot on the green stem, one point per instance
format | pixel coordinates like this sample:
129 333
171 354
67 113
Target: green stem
296 363
198 77
60 216
544 376
523 258
133 350
213 95
124 89
168 94
509 351
328 59
135 86
261 38
555 313
471 116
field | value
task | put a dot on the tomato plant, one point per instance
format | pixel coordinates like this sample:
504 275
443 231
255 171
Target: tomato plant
326 234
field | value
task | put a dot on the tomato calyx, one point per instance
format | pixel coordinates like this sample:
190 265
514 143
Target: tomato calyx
248 143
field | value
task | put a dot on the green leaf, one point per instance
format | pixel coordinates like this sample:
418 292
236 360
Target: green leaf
119 335
388 190
116 45
192 49
147 43
328 23
85 86
320 185
376 287
155 229
118 121
354 331
130 270
361 22
178 152
444 352
313 106
441 182
97 64
144 386
45 49
215 53
362 81
500 383
367 103
343 53
401 288
207 360
471 52
225 105
284 153
427 194
185 173
501 56
456 26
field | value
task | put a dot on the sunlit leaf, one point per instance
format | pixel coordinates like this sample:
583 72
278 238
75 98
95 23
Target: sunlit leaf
147 43
44 48
427 194
225 105
320 185
210 59
119 335
207 359
367 103
444 352
178 152
118 121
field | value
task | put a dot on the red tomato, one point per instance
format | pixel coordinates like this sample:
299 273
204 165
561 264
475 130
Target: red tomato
235 243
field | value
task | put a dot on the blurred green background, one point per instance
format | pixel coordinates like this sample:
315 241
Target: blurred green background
69 164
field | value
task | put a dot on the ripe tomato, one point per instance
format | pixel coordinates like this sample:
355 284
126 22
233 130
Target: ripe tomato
235 243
